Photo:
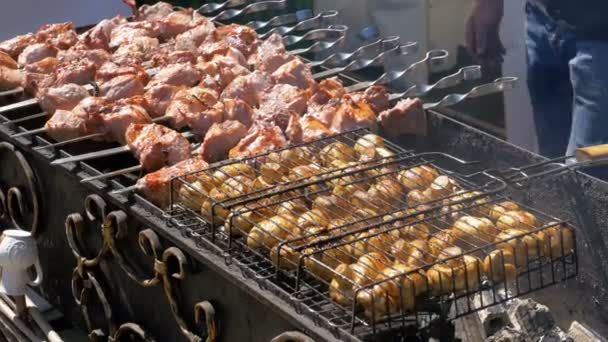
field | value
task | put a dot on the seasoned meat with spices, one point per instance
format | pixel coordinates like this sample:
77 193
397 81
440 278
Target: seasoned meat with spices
64 97
36 52
121 87
156 146
220 139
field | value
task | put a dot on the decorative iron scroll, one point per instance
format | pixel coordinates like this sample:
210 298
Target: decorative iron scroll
169 266
13 202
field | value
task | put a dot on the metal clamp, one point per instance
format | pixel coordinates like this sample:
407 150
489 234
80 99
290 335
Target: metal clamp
255 7
499 85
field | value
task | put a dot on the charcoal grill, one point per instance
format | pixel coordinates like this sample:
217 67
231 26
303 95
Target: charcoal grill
184 256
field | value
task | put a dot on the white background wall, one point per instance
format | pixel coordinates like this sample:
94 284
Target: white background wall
20 16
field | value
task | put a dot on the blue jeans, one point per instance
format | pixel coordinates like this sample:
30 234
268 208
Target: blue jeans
568 83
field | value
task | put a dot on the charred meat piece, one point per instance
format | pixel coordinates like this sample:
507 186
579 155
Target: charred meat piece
64 97
353 115
324 113
11 78
7 61
60 35
220 139
259 139
44 66
158 99
188 104
155 12
220 72
375 96
118 118
111 70
83 119
156 146
178 22
121 87
329 89
156 186
295 73
79 53
406 117
36 52
313 128
15 46
177 75
79 72
271 54
98 37
249 88
128 32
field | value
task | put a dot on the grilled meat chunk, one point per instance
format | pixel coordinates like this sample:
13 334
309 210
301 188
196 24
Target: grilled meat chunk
15 46
313 128
111 70
36 52
282 98
178 22
240 37
128 33
60 35
167 57
156 186
239 110
7 61
260 139
249 88
220 71
220 139
44 66
83 119
353 115
79 72
271 54
118 117
137 51
188 104
64 97
195 36
295 73
158 98
155 12
156 146
406 117
10 78
121 87
375 96
98 37
79 53
329 89
178 75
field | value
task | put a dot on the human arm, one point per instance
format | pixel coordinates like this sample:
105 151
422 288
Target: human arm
483 31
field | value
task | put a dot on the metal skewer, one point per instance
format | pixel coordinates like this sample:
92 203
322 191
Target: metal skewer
112 174
14 91
125 190
18 105
25 118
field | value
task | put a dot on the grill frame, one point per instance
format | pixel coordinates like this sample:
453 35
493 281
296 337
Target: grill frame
148 214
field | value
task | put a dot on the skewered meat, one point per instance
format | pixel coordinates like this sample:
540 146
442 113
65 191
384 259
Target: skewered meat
178 22
271 54
59 35
195 36
98 37
220 72
239 110
165 57
119 117
158 98
353 115
10 78
153 12
16 45
249 88
376 96
128 32
406 117
259 140
313 128
33 82
83 119
121 87
178 75
64 97
220 139
44 66
136 52
282 98
156 146
7 61
36 52
79 53
295 73
329 89
79 72
111 70
242 38
156 186
188 104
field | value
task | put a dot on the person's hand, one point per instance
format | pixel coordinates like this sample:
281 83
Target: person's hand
482 35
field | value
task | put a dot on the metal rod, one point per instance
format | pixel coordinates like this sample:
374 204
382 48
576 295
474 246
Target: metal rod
91 155
112 174
11 92
30 132
125 190
70 141
18 105
25 118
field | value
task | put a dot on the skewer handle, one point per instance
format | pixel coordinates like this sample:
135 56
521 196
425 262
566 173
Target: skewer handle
592 153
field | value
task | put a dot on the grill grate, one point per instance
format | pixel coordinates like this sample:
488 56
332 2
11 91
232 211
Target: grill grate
361 243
